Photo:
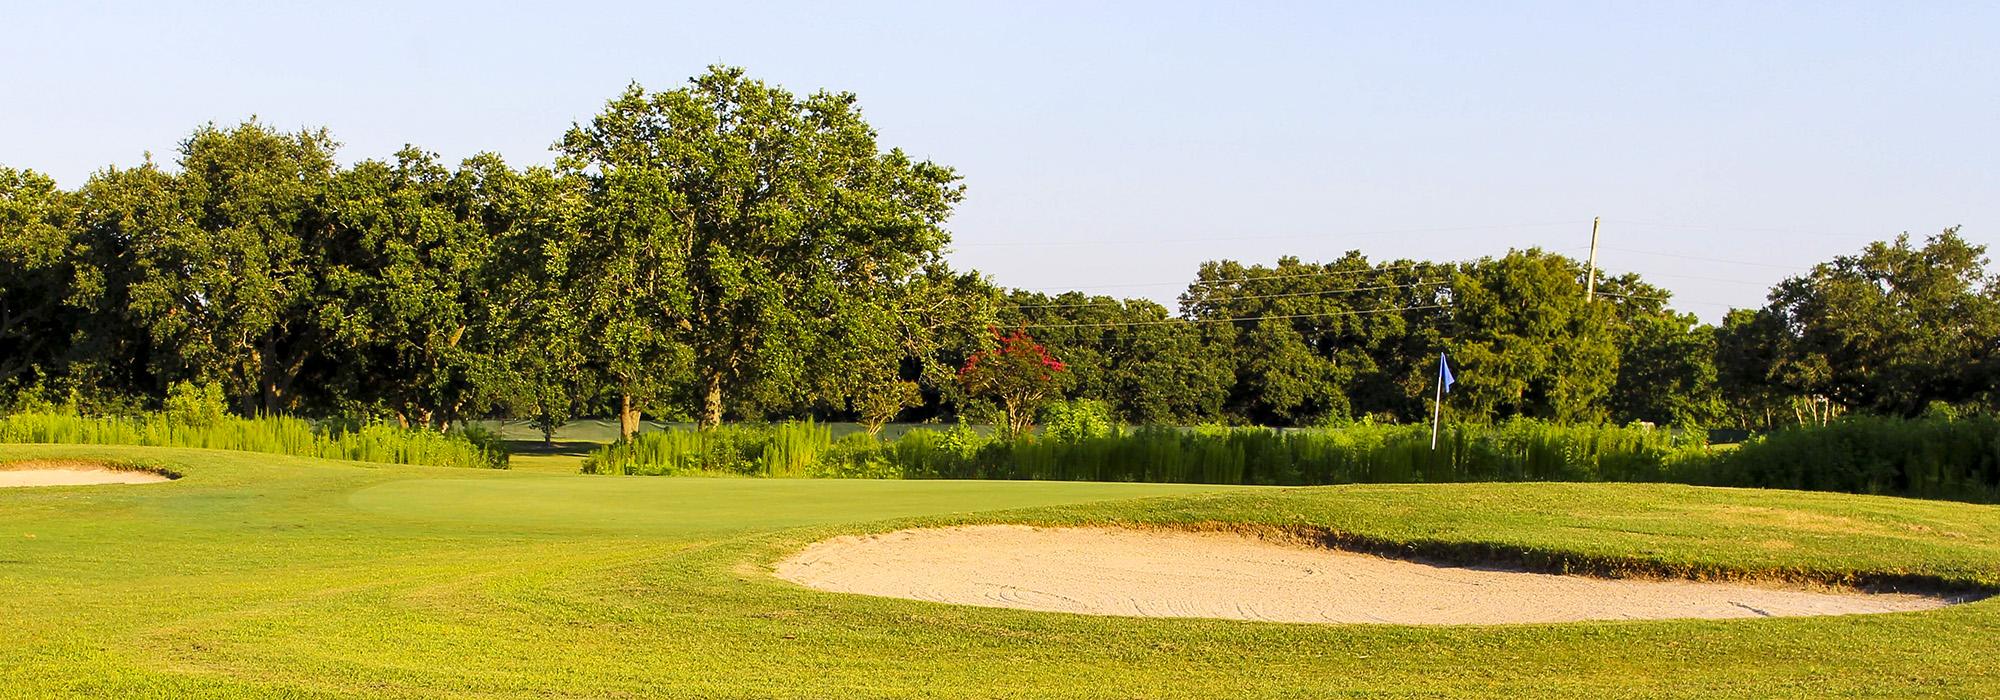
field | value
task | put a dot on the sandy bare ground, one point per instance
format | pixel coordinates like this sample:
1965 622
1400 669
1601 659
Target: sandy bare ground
1222 575
70 474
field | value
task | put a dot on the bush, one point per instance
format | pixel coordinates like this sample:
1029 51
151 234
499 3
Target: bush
1078 420
193 405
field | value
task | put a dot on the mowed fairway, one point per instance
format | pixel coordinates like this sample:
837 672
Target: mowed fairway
260 576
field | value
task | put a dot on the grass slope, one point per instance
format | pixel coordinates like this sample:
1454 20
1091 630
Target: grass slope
258 576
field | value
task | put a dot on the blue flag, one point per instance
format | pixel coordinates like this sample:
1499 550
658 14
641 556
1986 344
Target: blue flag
1445 379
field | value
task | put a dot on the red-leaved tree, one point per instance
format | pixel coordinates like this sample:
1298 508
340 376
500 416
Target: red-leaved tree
1019 373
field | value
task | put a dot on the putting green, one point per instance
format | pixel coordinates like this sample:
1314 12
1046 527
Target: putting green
262 576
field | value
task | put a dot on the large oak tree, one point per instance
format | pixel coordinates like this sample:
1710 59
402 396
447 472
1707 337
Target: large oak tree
730 222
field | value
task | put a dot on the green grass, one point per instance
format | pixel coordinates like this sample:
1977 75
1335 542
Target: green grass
374 442
262 575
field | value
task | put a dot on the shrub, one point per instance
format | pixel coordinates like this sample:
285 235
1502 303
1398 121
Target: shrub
1078 420
1020 374
195 405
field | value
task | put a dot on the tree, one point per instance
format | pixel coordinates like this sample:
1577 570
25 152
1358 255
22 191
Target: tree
412 279
1132 354
1528 343
1164 370
1746 353
1891 329
226 272
538 323
734 221
1312 341
883 354
1019 373
37 233
1666 371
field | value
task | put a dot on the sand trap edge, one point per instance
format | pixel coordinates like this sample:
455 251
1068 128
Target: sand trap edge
1567 563
82 472
1822 593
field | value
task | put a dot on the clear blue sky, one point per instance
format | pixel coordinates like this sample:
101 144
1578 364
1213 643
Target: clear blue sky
1114 146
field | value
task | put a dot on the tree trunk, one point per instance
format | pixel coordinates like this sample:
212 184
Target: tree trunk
1017 423
628 417
711 400
274 397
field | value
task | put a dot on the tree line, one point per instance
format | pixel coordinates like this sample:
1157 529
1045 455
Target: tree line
730 250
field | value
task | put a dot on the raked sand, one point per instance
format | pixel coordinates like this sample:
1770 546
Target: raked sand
1101 571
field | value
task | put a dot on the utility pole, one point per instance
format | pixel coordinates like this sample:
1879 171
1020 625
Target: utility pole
1590 286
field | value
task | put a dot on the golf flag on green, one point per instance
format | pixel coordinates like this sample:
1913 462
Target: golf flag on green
1445 380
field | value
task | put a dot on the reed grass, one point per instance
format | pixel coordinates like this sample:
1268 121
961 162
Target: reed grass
1954 458
370 442
1949 457
1516 451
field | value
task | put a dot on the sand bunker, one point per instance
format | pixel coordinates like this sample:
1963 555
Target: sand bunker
71 474
1183 574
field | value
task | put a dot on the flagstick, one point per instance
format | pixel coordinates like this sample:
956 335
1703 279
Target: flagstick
1437 408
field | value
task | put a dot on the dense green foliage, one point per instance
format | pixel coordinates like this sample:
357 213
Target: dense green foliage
731 250
745 232
1298 343
262 576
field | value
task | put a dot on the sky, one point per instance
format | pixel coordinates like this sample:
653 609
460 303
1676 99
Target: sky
1113 147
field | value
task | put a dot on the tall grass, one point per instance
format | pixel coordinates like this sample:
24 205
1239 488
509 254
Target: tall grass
1954 458
1515 451
792 449
1523 450
374 442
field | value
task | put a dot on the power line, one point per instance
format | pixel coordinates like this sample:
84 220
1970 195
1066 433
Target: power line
1640 297
1707 259
1723 280
1288 237
1719 228
1075 287
1233 320
1329 273
1114 302
1239 280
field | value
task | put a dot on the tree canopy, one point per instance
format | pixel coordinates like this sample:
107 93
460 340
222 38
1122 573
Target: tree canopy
729 249
739 224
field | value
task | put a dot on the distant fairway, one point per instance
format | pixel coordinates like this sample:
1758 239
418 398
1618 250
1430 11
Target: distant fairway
257 576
